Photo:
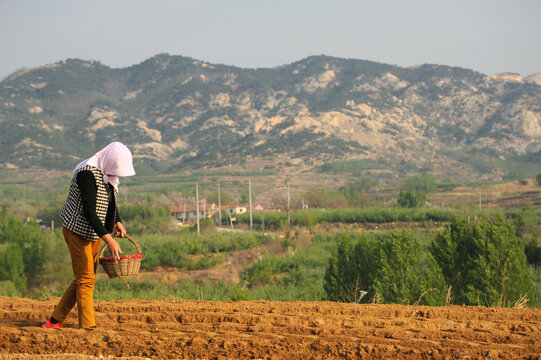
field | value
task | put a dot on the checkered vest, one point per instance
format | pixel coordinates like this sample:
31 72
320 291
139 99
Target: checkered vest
72 214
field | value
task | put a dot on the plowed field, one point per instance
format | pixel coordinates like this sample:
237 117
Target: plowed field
270 330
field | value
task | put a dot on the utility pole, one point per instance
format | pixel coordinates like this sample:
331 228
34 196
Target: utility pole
197 206
250 197
479 199
288 208
184 213
219 204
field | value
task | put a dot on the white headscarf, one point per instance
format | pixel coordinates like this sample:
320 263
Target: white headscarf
113 160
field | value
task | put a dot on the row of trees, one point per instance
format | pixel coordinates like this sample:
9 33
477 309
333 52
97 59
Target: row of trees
470 262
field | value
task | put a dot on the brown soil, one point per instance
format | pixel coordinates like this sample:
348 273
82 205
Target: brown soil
270 330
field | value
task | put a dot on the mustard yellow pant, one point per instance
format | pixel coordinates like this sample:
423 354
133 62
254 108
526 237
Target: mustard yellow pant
84 260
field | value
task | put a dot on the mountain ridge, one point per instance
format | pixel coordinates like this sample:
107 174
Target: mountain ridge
178 113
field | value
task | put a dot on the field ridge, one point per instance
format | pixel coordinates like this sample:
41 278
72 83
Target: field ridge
271 330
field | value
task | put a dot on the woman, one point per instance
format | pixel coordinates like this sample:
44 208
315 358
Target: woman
90 215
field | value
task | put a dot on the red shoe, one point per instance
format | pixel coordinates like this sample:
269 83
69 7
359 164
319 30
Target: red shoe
49 325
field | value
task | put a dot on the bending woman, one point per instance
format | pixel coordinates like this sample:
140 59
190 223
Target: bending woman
89 215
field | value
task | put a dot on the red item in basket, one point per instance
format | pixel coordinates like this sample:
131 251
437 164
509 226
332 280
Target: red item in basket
135 256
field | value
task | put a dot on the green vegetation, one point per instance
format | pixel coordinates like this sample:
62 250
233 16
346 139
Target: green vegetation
483 262
300 273
411 198
377 215
22 251
413 193
392 269
146 219
423 182
357 193
331 261
515 166
187 250
527 224
356 166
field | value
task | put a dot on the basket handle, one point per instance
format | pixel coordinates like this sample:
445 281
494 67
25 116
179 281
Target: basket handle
127 237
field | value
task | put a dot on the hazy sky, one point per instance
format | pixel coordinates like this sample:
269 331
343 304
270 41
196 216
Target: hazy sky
488 36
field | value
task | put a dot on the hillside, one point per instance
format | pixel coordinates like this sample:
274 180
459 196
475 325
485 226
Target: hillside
182 114
138 329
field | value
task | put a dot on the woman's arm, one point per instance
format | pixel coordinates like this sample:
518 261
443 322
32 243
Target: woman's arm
88 188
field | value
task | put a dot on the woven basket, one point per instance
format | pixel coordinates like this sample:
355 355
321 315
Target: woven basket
127 266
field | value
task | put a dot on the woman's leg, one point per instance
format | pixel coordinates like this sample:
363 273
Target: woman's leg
69 298
66 303
84 257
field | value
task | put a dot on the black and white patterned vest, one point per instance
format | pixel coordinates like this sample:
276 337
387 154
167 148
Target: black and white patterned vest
72 213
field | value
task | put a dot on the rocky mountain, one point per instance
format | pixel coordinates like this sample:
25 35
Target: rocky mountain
178 113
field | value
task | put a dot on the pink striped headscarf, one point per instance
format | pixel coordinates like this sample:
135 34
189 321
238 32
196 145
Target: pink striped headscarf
113 161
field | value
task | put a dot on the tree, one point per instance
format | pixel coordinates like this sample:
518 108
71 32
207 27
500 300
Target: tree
12 267
406 273
394 268
29 239
484 262
411 198
350 269
357 193
7 288
225 198
146 218
527 225
324 199
424 182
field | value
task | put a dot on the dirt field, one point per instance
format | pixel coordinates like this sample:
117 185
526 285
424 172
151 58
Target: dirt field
270 330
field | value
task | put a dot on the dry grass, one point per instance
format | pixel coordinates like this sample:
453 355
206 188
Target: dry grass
448 297
522 302
514 194
423 294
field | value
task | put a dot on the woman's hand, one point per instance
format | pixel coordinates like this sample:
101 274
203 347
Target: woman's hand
119 230
112 246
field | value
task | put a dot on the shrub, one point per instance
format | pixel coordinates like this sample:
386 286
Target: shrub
139 219
484 262
411 198
527 225
179 250
405 273
7 288
533 254
425 183
393 268
12 267
291 277
350 269
29 239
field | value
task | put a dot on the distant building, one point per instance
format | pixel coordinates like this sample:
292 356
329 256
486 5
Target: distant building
234 209
187 213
